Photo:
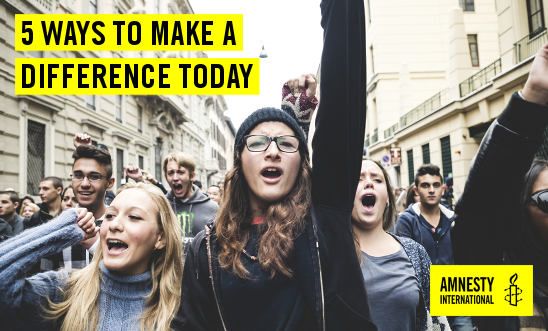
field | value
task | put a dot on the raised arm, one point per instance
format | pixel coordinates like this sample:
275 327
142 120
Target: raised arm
19 253
340 121
490 204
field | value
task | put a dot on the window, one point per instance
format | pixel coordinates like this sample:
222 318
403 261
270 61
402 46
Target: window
118 108
90 101
447 165
535 17
410 166
36 137
119 165
222 163
467 5
158 159
426 153
473 46
140 118
141 162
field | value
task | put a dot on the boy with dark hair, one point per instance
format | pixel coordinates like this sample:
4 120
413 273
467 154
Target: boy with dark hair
91 178
51 188
428 169
429 223
11 223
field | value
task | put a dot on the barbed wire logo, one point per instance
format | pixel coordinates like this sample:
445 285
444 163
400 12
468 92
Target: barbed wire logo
513 291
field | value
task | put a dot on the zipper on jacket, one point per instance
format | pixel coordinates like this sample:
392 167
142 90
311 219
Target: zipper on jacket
321 276
212 278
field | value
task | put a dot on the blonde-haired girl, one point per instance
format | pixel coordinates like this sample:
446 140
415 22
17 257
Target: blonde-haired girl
132 283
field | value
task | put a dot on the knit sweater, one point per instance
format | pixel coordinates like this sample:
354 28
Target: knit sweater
121 300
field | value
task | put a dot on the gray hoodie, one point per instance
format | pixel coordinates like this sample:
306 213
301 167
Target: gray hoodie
193 213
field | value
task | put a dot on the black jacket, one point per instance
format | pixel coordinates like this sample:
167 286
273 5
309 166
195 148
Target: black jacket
11 227
490 228
487 224
326 263
38 218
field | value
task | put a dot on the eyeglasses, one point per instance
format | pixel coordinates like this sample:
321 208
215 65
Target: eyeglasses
79 176
260 143
540 199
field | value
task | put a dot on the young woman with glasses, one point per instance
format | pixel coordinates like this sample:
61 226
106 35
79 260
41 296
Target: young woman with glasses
502 216
280 255
133 282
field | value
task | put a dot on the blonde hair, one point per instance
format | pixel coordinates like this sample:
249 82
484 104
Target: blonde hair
79 309
182 159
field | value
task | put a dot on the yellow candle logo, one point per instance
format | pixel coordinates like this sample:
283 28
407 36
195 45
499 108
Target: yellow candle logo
481 290
513 291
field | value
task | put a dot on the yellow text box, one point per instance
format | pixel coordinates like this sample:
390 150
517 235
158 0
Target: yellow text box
50 76
129 32
481 290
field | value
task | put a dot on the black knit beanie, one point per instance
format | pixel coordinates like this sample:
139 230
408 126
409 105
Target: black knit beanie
269 115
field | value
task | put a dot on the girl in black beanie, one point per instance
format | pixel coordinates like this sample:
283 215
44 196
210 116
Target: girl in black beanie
280 254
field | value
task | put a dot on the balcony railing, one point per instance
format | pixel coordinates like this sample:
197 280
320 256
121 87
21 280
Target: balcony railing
390 131
480 78
425 108
523 49
528 46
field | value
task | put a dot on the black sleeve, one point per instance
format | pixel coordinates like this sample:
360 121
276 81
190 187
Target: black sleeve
488 212
197 301
340 122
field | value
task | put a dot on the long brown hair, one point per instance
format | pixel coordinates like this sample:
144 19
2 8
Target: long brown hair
79 309
389 212
284 221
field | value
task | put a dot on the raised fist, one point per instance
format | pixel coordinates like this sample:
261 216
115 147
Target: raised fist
81 139
536 87
86 222
134 173
299 97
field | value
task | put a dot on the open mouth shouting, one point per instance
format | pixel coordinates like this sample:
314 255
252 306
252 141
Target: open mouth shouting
271 174
368 202
179 189
116 247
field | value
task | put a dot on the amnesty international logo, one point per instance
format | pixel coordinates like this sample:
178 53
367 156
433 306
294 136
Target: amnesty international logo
481 290
513 291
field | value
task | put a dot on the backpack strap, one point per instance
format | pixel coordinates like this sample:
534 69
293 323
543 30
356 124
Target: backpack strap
195 246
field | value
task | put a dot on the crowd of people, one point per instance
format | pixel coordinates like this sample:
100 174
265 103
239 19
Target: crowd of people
291 240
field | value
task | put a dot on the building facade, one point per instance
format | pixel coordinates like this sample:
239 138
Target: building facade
36 132
438 79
